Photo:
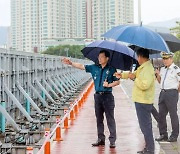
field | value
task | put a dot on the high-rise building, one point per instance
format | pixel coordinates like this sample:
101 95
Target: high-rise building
66 19
16 24
34 23
48 18
109 13
89 32
81 19
9 39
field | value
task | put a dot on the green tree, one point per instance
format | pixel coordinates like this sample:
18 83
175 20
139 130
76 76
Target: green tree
177 58
177 31
66 50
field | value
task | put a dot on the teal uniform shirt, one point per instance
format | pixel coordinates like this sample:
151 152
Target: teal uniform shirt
100 74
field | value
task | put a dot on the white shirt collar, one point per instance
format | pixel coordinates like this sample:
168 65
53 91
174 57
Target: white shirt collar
172 66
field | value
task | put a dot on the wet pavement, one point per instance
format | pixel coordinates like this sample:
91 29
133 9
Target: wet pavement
165 147
82 132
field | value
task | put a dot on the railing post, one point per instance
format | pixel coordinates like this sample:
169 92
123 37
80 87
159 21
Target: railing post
2 118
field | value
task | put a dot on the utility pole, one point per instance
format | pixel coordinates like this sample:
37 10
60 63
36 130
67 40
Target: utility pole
139 12
66 50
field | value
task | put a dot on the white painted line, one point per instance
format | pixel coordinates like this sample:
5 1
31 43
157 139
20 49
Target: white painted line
124 91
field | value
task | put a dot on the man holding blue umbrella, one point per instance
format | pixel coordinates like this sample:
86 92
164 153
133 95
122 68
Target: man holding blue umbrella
143 96
104 80
144 77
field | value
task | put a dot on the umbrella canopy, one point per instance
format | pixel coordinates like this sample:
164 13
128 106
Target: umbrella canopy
152 53
139 36
108 34
121 56
172 41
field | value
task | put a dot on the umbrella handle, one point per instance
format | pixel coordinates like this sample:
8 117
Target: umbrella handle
133 68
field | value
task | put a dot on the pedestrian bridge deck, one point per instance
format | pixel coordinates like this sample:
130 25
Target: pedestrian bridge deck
82 131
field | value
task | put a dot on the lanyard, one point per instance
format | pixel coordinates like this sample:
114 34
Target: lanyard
164 78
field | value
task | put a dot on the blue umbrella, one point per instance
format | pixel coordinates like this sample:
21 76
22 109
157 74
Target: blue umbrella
139 36
121 56
114 29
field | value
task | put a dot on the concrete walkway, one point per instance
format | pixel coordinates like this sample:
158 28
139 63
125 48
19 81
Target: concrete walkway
82 132
165 147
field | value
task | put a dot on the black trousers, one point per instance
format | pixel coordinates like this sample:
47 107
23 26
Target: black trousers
104 103
168 104
145 122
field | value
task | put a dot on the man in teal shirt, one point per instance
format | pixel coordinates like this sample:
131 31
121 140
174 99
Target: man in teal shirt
100 75
104 80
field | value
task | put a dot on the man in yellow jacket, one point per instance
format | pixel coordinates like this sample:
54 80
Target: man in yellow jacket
143 96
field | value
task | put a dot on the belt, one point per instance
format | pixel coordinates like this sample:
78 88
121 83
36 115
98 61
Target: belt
164 90
103 92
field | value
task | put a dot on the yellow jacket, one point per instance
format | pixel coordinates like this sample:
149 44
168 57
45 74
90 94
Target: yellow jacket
144 84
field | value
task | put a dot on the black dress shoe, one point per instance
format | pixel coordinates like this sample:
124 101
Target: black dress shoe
148 152
145 151
112 145
98 143
141 151
172 139
162 138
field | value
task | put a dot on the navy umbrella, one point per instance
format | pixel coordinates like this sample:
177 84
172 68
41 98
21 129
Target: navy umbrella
154 56
152 53
139 36
172 41
121 56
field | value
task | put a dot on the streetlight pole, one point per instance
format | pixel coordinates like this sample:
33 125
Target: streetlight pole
139 12
66 50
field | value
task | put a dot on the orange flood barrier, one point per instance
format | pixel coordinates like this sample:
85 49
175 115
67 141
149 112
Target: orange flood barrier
58 134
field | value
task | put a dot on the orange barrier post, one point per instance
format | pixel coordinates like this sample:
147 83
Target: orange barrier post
29 150
72 115
90 89
79 103
66 123
47 149
76 109
82 102
83 98
58 134
86 95
58 130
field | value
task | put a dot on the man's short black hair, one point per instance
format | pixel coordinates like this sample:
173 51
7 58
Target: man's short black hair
143 53
106 53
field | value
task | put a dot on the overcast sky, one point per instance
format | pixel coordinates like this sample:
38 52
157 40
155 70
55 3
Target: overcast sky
158 10
5 13
152 11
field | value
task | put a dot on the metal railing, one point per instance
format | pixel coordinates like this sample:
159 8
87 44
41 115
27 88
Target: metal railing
34 88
